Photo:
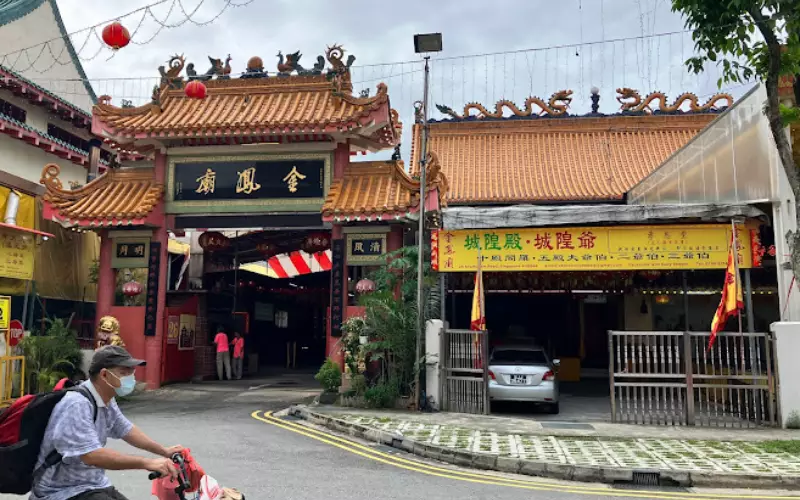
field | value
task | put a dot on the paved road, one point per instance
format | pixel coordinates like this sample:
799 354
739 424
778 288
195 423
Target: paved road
266 461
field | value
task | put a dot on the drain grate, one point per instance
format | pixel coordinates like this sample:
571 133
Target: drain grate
646 478
649 480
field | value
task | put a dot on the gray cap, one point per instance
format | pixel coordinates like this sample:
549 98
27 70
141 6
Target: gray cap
112 356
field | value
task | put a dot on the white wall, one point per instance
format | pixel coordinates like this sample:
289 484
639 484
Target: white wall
23 160
787 345
39 26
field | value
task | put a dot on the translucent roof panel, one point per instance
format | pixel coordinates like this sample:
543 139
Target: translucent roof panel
733 160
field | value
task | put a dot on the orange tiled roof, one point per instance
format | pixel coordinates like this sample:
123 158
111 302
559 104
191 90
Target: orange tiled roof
118 197
247 106
375 190
554 159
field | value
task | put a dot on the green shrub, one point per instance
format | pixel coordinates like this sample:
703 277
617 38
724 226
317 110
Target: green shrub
50 357
358 385
383 395
330 376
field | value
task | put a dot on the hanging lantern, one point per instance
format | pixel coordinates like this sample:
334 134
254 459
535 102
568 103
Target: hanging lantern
132 289
195 90
650 275
662 299
267 249
365 286
116 36
213 241
316 242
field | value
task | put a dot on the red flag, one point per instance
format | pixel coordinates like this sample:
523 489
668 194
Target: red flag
732 301
478 317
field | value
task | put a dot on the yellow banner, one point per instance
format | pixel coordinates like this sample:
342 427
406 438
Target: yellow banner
16 255
5 312
589 248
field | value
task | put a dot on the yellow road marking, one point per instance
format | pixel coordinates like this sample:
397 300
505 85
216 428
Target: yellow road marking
423 468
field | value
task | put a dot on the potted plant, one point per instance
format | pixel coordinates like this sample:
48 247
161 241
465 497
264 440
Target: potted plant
330 377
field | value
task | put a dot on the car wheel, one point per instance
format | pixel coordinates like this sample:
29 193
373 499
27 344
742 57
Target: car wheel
553 409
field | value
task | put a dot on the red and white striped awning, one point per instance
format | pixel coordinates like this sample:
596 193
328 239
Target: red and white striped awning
289 265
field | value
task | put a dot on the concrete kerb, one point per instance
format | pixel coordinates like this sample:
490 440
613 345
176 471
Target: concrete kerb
582 473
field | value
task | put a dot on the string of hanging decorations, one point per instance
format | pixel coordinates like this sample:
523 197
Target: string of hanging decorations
113 35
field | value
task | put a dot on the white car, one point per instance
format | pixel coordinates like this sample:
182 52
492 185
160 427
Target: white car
523 374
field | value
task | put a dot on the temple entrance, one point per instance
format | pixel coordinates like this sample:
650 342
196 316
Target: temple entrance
272 287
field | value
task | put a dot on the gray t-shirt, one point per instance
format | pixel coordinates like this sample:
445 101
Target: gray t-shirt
73 433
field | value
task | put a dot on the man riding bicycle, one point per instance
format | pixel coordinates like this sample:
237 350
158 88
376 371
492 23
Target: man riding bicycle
79 427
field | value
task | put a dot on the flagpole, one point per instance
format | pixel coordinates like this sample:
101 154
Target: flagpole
735 252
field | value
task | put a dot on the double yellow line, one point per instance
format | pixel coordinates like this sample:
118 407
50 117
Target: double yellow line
487 479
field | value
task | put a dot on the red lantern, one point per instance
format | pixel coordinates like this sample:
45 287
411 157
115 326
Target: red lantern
132 289
195 90
316 242
365 286
213 241
650 275
116 36
267 249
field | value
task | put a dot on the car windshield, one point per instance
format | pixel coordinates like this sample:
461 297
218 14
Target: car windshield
519 357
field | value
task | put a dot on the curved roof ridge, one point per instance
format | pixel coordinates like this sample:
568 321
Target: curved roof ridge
11 10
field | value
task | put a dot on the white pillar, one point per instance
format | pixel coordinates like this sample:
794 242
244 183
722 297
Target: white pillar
787 345
433 333
784 221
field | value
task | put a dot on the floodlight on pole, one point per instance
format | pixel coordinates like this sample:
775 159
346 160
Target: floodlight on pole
423 44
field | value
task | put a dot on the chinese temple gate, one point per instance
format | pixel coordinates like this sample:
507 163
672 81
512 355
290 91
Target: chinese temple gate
259 167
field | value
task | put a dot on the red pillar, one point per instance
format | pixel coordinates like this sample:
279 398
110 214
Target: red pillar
154 346
394 240
331 348
105 278
341 158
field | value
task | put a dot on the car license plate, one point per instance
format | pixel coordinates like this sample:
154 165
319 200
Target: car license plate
519 379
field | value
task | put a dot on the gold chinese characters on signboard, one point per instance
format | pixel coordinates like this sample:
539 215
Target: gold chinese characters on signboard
589 248
292 178
16 255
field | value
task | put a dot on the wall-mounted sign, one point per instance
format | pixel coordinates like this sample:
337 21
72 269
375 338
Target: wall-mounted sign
151 300
365 248
248 182
338 280
16 255
5 311
263 311
590 248
188 326
130 253
173 329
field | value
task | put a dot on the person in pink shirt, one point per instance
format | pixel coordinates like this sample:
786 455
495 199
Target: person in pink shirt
238 355
223 353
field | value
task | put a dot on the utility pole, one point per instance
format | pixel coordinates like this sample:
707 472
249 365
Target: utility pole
423 163
422 44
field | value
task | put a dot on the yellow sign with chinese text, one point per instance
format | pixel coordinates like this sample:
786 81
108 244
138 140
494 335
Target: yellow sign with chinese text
5 311
16 255
616 248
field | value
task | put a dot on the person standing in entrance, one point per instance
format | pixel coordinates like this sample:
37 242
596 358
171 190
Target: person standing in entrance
238 355
223 353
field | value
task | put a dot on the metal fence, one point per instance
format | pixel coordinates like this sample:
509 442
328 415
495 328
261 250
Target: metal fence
465 376
673 378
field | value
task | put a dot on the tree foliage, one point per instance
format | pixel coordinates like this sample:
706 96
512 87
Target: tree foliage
391 319
51 357
753 39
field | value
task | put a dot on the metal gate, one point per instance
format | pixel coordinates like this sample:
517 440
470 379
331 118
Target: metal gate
672 378
465 371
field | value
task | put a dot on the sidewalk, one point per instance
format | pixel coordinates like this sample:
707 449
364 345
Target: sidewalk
590 452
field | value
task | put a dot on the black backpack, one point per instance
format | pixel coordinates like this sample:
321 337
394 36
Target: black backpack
22 428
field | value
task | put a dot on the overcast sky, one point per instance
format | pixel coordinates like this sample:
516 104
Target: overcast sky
379 33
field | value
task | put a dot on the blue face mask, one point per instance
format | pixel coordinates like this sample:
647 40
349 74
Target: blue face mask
127 384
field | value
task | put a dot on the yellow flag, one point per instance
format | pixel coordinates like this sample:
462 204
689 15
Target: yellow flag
732 300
